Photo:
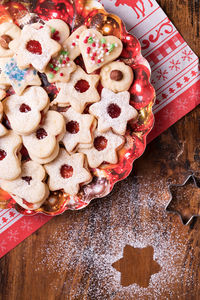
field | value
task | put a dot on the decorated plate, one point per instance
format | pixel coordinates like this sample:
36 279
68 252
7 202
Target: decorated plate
93 15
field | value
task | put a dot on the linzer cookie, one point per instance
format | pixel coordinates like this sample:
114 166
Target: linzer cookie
59 30
24 112
8 32
97 50
48 159
113 111
67 172
72 43
104 148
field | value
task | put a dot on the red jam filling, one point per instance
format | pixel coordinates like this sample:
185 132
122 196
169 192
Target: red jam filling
72 127
66 171
82 86
41 133
2 154
27 179
100 143
114 110
24 108
34 47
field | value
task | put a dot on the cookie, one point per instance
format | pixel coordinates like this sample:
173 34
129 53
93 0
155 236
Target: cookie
116 76
19 79
104 148
42 142
48 159
113 111
10 165
98 50
8 32
29 185
35 47
2 94
79 91
59 30
77 129
72 43
67 172
24 112
3 130
60 68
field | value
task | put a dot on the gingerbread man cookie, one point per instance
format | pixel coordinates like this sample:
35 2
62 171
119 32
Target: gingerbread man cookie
104 148
59 30
113 111
10 165
29 185
8 32
79 91
77 129
67 172
72 43
98 50
24 112
116 76
42 142
35 47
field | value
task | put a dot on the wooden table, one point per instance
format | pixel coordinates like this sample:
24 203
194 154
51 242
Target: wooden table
78 255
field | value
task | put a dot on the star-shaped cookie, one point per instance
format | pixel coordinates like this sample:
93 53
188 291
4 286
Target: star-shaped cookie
77 129
104 148
67 172
35 47
113 111
79 91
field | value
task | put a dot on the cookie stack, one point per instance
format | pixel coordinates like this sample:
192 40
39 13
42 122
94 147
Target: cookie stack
79 130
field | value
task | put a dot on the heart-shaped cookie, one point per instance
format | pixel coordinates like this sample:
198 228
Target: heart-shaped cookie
97 50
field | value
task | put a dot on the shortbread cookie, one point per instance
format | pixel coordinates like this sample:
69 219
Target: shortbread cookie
4 81
10 165
113 111
79 91
46 160
116 76
24 112
8 32
97 50
67 172
19 79
35 47
72 43
2 94
60 68
59 30
3 130
29 185
104 149
42 142
27 205
77 129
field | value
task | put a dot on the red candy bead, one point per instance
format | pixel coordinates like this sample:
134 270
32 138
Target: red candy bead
103 45
98 61
61 74
67 59
74 44
88 50
93 44
77 36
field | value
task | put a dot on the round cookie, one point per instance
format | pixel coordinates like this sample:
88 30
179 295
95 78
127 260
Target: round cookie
8 32
116 76
59 30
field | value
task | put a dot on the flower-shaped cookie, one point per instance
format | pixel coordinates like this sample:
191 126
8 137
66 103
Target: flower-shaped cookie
104 149
97 50
67 172
19 79
8 32
78 129
113 111
79 91
59 30
72 43
28 187
24 112
10 165
35 47
42 142
3 130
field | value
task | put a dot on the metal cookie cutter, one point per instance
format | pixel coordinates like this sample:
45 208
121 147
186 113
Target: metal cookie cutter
186 215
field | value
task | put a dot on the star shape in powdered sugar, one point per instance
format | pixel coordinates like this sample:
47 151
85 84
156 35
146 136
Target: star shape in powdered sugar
113 111
77 129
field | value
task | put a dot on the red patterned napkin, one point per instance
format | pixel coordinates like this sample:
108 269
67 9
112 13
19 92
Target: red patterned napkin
175 76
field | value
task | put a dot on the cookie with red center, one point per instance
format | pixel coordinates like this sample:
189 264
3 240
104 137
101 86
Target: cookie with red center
59 30
67 172
77 129
98 50
8 32
105 147
113 111
24 112
28 186
79 91
10 164
35 47
43 141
